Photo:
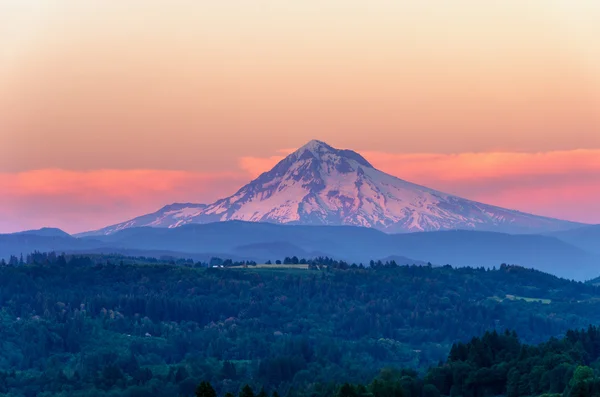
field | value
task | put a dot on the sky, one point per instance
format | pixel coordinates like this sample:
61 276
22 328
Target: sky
109 110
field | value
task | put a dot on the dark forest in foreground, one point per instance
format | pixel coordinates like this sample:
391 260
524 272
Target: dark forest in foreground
120 326
492 365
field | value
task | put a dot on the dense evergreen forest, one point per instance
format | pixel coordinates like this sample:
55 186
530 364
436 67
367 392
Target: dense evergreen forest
113 326
492 365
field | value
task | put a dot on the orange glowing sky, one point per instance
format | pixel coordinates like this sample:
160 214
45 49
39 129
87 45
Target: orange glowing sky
112 109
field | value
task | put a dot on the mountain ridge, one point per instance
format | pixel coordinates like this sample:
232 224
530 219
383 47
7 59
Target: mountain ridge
44 231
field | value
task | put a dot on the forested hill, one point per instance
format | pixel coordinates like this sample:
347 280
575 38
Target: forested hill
120 326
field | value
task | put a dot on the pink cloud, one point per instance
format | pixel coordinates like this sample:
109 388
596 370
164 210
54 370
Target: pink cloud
477 166
83 200
575 200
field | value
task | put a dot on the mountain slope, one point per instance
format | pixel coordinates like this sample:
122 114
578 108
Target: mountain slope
169 216
320 185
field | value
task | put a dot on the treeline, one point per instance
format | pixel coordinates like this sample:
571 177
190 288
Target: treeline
52 258
117 326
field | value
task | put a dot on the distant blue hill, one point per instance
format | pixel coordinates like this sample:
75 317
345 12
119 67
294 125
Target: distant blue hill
264 241
586 237
45 231
358 244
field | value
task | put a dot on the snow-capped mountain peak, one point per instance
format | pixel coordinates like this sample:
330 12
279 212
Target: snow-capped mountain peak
316 147
319 184
323 152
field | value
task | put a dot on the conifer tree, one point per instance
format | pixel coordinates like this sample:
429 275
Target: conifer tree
246 392
205 389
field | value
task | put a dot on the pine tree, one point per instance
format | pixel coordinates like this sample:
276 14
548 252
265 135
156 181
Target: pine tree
205 389
347 390
229 371
262 393
181 374
246 392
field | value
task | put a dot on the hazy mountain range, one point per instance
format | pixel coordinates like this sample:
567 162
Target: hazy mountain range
263 241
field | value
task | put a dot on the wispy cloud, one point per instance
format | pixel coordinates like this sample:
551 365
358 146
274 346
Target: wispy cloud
477 166
82 200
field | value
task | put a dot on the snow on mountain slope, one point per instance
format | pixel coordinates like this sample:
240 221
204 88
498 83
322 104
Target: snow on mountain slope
321 185
172 215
